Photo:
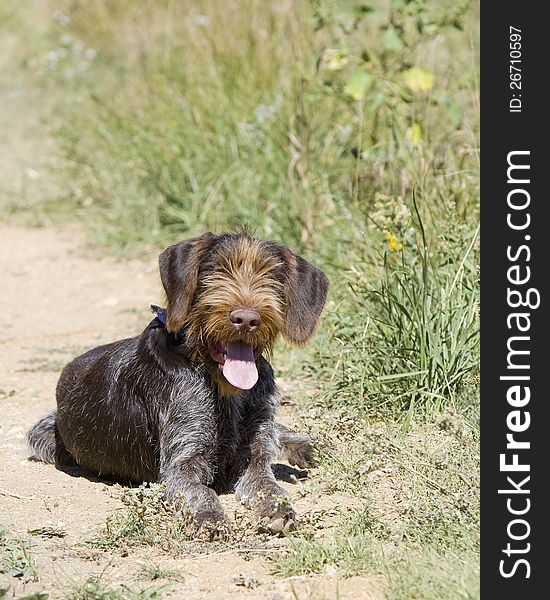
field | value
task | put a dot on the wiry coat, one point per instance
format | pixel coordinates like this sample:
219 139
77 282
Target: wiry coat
157 407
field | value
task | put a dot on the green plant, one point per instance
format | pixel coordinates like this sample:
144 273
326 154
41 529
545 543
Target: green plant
146 519
15 558
292 139
154 572
418 341
91 589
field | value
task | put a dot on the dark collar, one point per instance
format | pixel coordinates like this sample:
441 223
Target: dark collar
160 313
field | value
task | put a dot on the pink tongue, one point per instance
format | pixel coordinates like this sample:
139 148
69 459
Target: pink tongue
240 367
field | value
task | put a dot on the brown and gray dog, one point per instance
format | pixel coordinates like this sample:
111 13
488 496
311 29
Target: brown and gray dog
191 401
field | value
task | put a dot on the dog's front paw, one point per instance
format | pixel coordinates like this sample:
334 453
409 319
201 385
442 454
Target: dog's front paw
280 525
211 525
302 454
276 516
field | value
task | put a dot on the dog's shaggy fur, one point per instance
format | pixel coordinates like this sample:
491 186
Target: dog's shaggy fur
161 406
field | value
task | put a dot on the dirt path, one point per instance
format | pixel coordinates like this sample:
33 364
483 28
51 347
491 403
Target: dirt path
56 300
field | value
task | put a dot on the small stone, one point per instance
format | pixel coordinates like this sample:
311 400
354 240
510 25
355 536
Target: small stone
245 581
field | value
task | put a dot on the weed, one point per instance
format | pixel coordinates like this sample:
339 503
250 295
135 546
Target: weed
145 520
154 572
48 531
91 589
295 140
15 558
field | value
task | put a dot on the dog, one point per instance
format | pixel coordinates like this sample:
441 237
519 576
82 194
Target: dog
191 402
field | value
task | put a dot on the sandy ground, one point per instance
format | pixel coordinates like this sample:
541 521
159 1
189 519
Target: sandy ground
57 299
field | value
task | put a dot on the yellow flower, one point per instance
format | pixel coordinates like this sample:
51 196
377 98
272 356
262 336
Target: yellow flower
393 242
414 134
418 79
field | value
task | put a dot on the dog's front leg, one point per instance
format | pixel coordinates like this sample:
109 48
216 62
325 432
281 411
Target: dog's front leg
185 479
257 487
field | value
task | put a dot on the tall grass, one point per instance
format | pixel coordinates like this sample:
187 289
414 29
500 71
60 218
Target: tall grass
289 117
407 339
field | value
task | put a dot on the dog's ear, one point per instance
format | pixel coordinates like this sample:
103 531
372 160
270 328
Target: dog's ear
179 268
306 294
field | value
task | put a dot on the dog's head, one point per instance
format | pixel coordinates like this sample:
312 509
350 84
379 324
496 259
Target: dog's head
234 293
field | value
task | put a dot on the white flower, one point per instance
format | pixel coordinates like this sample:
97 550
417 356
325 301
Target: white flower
202 20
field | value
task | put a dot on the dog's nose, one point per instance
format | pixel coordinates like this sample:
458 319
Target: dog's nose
244 319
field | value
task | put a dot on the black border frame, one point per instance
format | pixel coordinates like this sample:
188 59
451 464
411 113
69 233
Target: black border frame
502 132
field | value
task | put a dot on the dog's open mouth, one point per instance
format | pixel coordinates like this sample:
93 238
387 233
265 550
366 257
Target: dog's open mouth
237 362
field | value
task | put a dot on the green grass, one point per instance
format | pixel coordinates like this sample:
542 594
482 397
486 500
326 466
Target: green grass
154 572
177 125
15 558
417 342
91 589
418 527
